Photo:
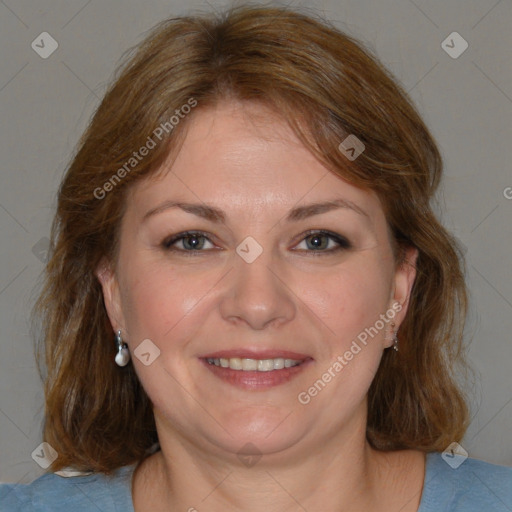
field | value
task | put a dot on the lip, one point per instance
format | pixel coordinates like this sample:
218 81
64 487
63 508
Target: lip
255 380
255 354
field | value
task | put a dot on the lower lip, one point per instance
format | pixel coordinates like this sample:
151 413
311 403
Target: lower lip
254 380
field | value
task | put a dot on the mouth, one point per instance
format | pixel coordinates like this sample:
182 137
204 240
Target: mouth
253 365
256 371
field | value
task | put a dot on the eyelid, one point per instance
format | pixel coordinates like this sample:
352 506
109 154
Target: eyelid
168 242
342 241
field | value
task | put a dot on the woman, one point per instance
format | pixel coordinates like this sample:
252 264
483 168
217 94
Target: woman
248 217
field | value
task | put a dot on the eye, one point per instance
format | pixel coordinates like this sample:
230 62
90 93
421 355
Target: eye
323 241
316 241
190 241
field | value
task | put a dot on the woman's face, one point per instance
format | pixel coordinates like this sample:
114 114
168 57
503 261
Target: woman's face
287 272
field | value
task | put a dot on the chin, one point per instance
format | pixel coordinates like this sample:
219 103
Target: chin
257 432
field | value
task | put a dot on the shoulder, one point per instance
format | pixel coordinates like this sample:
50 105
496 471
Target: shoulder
474 485
55 493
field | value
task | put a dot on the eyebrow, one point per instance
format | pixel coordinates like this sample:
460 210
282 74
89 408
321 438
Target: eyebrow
218 216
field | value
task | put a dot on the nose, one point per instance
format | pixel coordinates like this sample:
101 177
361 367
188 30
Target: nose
257 295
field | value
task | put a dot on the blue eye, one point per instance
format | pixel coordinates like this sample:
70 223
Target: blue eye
324 241
190 241
194 242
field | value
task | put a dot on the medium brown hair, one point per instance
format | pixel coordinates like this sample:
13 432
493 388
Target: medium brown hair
325 85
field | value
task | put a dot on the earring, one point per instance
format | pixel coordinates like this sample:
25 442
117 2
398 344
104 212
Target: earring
395 337
123 354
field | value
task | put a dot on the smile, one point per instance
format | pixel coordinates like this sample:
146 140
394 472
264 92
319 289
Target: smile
256 373
252 365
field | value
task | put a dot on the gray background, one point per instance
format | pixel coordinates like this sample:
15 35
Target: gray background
467 102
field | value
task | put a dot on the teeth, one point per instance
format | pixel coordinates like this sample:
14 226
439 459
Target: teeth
260 365
265 365
249 365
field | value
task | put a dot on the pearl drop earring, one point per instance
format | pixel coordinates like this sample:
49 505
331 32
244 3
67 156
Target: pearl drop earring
395 337
123 354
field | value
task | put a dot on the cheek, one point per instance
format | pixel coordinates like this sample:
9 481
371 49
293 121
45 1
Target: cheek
152 299
351 299
157 299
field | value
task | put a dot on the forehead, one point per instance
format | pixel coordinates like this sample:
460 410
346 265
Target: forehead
244 158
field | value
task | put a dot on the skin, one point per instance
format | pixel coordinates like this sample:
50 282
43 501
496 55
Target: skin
245 161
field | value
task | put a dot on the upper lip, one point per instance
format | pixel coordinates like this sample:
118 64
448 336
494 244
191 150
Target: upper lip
256 354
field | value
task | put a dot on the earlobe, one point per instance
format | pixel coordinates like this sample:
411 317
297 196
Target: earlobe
108 280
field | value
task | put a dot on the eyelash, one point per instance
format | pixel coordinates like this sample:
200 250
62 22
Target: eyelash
343 243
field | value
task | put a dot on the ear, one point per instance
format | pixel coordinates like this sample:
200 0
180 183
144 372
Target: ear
111 296
405 274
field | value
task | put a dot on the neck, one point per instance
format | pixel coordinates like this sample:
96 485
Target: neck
343 474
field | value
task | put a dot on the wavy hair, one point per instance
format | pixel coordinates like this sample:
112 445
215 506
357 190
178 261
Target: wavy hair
326 85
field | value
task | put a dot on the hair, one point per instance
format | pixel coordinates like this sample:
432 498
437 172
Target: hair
326 85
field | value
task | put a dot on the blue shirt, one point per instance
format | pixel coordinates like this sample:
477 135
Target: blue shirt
475 486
